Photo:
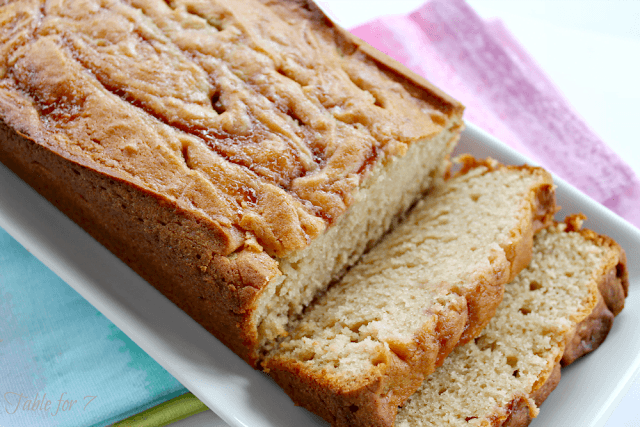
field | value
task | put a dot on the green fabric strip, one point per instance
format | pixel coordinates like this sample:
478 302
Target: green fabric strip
166 413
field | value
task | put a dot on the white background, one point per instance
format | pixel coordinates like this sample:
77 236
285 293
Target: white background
589 49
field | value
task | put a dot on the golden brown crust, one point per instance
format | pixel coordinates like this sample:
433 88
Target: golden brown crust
414 83
614 284
589 333
147 232
520 412
199 238
285 131
540 395
374 399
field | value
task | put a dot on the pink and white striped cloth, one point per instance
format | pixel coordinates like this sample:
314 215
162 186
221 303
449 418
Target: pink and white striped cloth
506 94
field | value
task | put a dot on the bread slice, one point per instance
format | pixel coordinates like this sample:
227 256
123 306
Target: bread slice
366 345
239 155
557 309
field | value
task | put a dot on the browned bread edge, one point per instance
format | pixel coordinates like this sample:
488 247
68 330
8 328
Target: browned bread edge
147 232
613 285
180 252
374 401
417 85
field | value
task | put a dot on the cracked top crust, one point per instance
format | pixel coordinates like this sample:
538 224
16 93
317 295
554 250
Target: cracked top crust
260 116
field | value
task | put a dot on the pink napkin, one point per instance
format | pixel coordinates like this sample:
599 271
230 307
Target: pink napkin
506 94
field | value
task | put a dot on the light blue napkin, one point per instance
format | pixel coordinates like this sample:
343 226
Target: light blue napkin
62 362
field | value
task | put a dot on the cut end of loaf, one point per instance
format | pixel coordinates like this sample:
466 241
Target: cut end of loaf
260 122
374 335
552 310
387 193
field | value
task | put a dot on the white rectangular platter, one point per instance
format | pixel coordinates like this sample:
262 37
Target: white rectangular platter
588 393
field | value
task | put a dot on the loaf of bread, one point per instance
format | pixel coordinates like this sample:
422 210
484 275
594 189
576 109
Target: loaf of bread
360 350
239 155
558 309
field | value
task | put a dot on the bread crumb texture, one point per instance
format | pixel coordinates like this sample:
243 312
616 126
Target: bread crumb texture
256 114
480 382
398 312
451 239
271 146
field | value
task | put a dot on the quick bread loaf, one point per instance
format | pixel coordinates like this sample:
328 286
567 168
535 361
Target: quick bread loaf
556 310
238 155
241 156
361 349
